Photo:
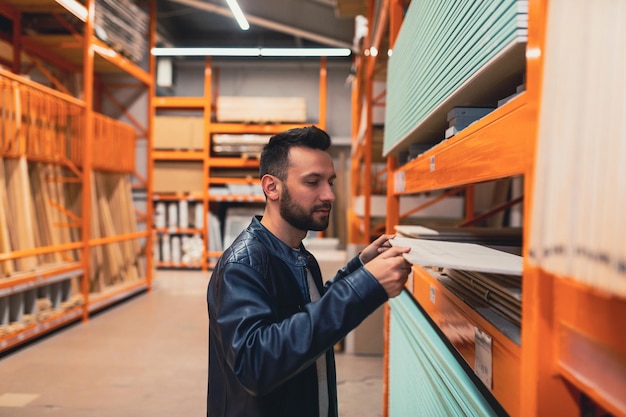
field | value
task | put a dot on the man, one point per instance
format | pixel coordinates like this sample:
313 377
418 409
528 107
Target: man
272 323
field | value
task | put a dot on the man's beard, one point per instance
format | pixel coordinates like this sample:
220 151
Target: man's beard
298 217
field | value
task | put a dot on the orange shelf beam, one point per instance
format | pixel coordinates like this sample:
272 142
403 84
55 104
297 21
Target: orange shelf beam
177 230
242 128
40 251
221 180
499 145
118 238
233 163
176 197
179 103
124 64
37 278
178 155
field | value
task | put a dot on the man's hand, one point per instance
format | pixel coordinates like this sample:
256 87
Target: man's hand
375 248
391 269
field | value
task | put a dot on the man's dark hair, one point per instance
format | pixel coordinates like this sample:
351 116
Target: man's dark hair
275 155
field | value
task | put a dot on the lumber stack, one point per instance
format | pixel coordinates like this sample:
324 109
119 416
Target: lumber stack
31 202
20 211
112 214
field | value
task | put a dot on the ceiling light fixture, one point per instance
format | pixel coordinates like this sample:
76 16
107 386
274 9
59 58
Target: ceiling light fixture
253 52
238 14
75 8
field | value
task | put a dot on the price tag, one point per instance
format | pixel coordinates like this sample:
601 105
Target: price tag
483 359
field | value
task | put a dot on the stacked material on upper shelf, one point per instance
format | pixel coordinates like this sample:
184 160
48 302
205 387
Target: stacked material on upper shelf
499 291
450 53
261 109
123 26
245 145
461 117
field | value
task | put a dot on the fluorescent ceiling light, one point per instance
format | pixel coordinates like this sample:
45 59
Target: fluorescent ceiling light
305 52
241 19
252 52
75 8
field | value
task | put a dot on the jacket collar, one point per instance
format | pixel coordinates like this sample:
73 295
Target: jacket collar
276 246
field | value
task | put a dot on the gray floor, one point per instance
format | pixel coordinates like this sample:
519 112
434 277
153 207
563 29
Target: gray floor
145 357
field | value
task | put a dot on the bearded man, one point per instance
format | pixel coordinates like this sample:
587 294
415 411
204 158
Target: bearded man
272 321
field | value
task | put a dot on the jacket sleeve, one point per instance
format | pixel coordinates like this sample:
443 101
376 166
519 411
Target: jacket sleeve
264 352
354 264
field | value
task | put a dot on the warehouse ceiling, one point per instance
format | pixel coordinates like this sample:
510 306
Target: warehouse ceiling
189 23
273 23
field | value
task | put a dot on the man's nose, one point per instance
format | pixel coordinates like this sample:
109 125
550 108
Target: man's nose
328 194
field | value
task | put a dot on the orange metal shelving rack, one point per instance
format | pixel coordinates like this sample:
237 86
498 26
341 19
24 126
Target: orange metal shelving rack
94 140
207 104
560 318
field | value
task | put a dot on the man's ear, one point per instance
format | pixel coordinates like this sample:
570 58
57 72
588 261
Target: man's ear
271 186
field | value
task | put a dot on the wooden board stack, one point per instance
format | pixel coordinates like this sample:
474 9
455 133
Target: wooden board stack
20 209
112 215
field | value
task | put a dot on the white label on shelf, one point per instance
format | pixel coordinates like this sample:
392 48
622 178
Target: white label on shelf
432 294
398 183
483 360
432 163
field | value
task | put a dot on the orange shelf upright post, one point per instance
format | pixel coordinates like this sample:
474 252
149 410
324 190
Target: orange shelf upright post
88 90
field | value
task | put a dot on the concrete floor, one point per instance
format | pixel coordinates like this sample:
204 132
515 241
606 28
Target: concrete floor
145 357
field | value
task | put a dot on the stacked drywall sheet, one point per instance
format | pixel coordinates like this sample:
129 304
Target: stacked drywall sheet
488 280
578 221
451 53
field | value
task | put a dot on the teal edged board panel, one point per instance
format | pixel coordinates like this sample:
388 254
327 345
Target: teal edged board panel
425 377
441 46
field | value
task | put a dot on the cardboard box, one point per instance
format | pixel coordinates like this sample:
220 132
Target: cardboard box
261 109
178 132
177 177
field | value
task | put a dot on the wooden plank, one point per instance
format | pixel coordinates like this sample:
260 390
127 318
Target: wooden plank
8 267
96 260
113 254
19 198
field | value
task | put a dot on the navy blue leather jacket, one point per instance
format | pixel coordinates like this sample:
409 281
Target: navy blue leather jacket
265 335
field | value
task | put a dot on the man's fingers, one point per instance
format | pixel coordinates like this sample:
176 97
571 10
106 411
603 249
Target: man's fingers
395 251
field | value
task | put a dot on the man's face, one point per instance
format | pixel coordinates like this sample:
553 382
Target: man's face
307 195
